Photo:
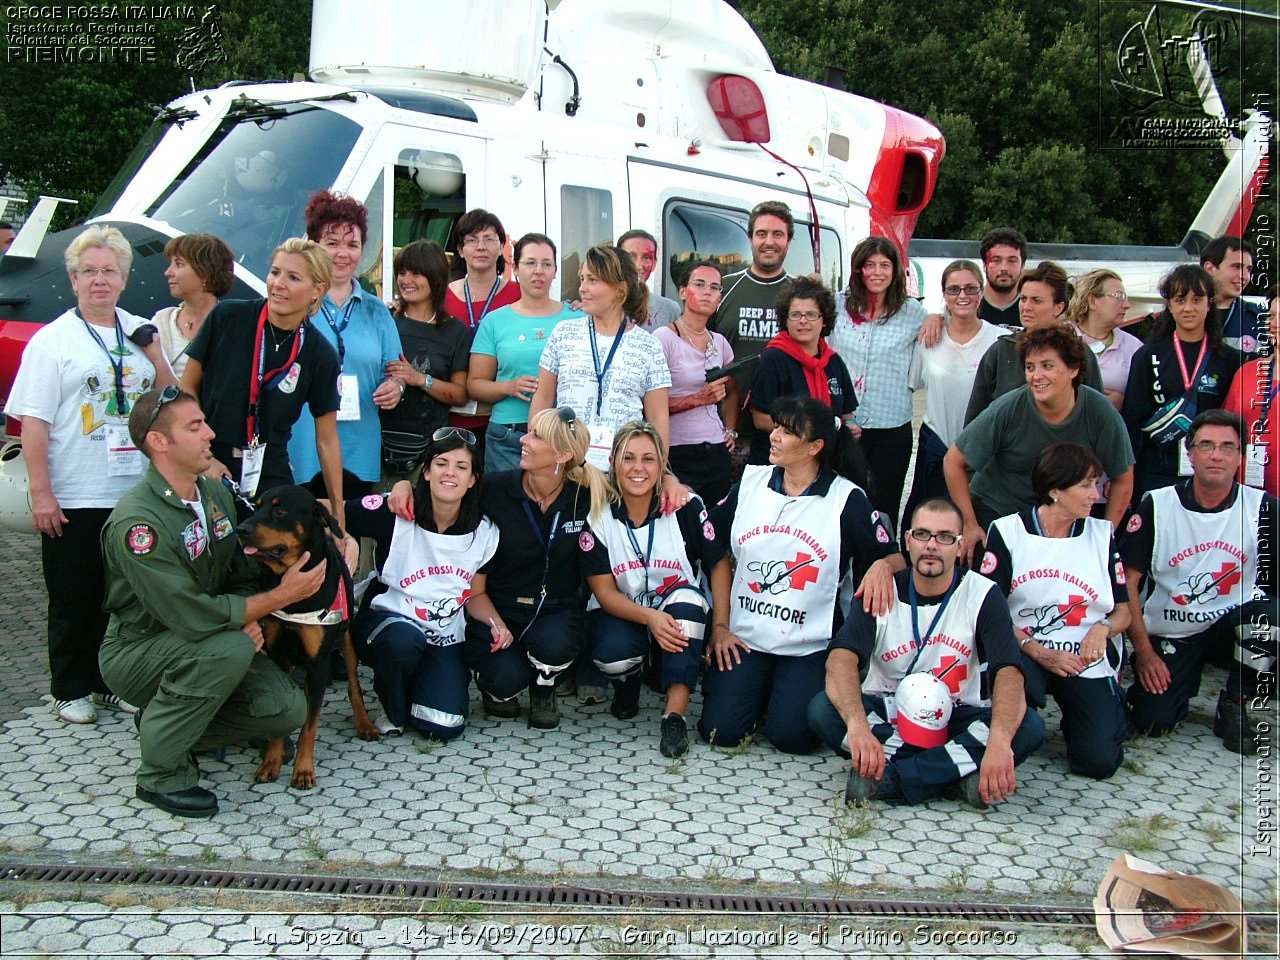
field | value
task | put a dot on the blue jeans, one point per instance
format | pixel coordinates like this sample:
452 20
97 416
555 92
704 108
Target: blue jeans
501 447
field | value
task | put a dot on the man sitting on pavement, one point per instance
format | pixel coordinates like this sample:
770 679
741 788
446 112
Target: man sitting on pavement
1203 548
184 642
942 708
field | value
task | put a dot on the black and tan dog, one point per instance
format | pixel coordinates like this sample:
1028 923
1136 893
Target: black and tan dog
288 522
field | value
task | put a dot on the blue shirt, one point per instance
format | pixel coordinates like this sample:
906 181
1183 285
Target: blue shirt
370 342
516 342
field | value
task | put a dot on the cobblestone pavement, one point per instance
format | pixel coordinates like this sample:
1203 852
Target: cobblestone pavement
592 802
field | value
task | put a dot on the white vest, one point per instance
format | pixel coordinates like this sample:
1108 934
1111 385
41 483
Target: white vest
951 649
1060 587
668 564
788 565
428 577
1203 564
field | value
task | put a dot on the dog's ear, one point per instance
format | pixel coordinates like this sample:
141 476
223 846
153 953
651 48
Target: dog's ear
325 517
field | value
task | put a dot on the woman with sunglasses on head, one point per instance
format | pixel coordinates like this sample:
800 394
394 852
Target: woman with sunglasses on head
1183 369
201 271
535 578
876 339
508 346
945 372
704 416
1062 574
1097 309
479 289
410 628
605 366
359 327
642 567
255 363
433 358
797 528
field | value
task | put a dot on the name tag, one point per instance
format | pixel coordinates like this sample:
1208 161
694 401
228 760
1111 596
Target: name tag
1184 460
251 468
1256 456
123 458
599 448
348 397
468 409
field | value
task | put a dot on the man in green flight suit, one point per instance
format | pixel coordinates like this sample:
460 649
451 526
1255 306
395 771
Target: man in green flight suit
184 642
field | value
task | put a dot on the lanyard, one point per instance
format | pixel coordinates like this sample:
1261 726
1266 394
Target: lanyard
915 623
338 331
260 375
116 360
1188 381
472 320
608 361
635 545
546 542
1271 390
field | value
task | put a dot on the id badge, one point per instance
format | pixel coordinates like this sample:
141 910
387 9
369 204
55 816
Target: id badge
1256 456
123 458
348 397
1184 460
600 447
251 468
468 409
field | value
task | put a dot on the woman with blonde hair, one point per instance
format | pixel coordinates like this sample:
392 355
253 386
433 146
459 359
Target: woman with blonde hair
254 365
1097 309
650 591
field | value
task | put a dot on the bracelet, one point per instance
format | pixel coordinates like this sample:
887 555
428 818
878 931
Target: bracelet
730 434
1025 640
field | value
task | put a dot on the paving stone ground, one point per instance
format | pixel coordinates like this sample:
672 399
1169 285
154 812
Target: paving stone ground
592 801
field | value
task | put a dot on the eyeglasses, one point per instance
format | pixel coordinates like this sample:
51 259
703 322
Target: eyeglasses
545 265
167 395
945 538
1117 295
480 242
107 273
972 290
809 315
448 433
703 285
1230 448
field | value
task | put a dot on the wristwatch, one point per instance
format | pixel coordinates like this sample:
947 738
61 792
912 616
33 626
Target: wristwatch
730 434
426 385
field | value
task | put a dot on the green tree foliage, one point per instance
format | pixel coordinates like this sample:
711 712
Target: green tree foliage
1020 91
65 128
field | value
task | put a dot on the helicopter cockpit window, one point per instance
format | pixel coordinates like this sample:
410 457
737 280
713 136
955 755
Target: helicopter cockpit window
429 194
700 231
586 219
250 183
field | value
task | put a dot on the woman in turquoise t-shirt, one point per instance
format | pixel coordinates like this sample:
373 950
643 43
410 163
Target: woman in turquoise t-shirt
507 347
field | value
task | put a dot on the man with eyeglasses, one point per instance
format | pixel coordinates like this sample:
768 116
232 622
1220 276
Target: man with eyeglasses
184 640
927 699
642 247
1203 550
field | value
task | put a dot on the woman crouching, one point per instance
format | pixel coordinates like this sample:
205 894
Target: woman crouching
411 625
642 567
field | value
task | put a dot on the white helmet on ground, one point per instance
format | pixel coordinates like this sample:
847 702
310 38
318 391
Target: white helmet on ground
15 489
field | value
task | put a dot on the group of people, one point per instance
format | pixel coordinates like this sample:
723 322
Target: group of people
699 520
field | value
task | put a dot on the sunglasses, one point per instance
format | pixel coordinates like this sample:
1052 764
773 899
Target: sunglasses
447 433
567 417
167 395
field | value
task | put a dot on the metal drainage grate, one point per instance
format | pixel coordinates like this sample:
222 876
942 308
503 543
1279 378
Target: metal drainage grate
556 895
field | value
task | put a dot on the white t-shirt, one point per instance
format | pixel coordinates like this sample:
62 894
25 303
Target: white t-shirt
66 380
947 370
172 340
638 366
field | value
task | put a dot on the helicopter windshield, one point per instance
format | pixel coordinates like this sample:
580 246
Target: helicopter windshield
250 182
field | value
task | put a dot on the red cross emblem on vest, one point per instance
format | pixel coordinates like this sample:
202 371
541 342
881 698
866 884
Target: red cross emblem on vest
1073 611
953 672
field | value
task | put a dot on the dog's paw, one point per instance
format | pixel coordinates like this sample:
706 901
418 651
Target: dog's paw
367 731
269 772
303 779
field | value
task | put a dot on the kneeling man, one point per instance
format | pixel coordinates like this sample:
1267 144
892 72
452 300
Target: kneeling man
184 642
927 699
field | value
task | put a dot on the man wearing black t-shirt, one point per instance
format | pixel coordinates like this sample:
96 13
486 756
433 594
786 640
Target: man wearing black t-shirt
1004 254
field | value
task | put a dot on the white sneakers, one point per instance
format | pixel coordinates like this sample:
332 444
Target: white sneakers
82 709
79 710
384 725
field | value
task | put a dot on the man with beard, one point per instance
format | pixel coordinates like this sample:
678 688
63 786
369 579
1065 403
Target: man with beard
942 710
1004 252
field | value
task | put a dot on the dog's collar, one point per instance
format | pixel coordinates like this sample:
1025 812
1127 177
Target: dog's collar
335 614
